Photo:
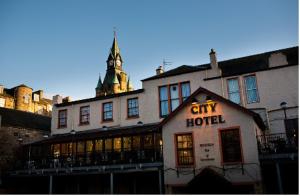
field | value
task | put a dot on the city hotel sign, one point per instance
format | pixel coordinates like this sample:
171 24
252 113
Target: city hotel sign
203 109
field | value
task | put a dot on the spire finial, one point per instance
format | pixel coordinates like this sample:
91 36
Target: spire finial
115 32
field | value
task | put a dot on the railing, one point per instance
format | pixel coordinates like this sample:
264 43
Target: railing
277 143
93 159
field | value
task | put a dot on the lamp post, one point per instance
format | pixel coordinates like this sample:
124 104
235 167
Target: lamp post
283 106
73 132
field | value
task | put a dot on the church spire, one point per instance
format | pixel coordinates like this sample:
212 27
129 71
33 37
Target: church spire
114 53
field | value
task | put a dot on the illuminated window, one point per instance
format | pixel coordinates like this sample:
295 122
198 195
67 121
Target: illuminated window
55 149
136 142
62 118
171 96
99 145
108 144
66 148
127 143
80 147
84 115
234 90
231 145
117 144
107 111
148 141
89 146
132 107
251 89
185 151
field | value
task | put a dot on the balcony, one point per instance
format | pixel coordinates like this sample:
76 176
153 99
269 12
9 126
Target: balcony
277 144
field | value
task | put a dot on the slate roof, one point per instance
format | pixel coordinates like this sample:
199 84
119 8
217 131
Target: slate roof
100 98
248 64
16 118
99 133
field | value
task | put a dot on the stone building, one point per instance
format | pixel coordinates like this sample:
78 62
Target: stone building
116 80
23 98
16 129
226 124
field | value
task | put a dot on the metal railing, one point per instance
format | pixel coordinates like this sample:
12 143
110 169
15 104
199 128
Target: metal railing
93 159
277 143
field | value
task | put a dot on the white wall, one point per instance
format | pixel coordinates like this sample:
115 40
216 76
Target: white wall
210 134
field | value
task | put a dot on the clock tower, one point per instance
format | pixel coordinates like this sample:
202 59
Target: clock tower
115 80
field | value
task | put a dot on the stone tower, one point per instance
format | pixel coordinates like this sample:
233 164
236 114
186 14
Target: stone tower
115 80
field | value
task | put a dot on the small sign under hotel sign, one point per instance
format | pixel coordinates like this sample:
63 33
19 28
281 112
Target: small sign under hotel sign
207 151
205 120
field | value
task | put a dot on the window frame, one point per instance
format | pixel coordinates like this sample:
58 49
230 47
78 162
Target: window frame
178 164
112 112
80 115
59 126
221 145
246 90
138 112
168 86
239 87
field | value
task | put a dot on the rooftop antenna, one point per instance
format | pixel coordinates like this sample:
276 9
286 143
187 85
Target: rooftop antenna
165 63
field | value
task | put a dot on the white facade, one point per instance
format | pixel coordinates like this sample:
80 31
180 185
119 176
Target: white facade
276 83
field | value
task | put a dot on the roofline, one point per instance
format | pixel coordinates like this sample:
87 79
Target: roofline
255 116
100 98
223 61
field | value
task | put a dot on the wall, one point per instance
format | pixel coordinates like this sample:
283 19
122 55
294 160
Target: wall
210 134
119 114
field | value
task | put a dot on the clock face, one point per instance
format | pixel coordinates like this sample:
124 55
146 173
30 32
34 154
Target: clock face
118 62
111 62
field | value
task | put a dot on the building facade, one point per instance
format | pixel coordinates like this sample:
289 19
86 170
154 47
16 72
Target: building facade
186 128
23 98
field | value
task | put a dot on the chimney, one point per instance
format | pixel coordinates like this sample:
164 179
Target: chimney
1 89
213 59
159 70
66 99
57 99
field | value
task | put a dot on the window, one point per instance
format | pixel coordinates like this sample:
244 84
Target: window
62 118
234 90
80 147
26 98
171 96
107 111
108 145
251 89
2 102
132 107
99 145
231 146
185 90
89 146
148 141
85 115
185 151
174 95
117 144
163 97
127 143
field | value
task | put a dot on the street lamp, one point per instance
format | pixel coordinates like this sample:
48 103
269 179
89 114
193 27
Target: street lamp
283 106
73 132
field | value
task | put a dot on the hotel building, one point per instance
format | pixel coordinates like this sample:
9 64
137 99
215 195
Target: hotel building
220 123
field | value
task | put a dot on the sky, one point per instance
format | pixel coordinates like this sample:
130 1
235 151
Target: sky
61 46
